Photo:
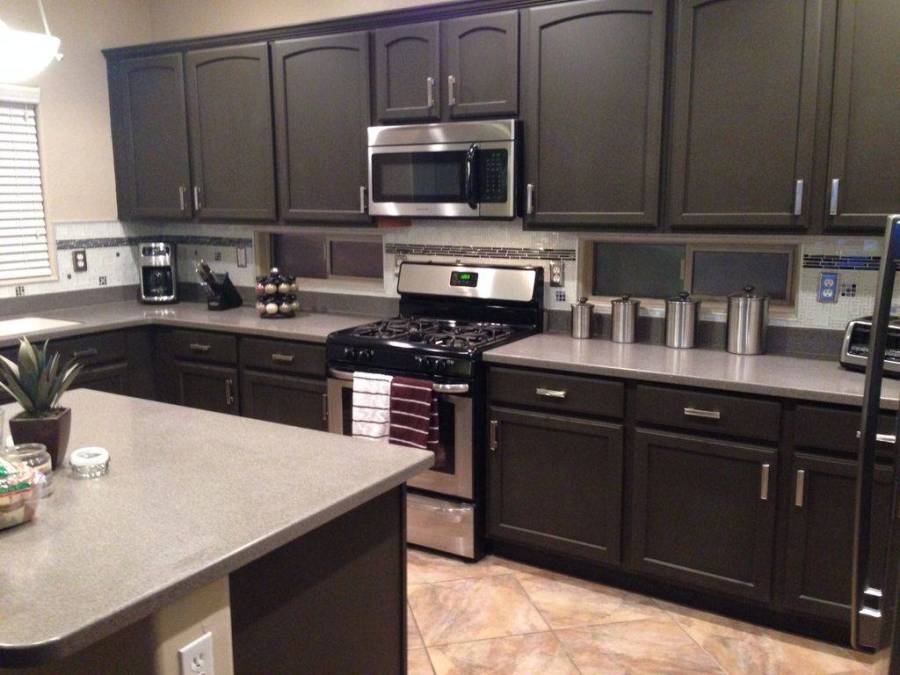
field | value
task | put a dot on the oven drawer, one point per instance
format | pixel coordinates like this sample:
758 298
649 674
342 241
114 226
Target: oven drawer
441 524
282 356
557 392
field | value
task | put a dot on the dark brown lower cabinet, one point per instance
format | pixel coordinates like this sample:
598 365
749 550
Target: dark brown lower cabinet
703 512
817 577
111 378
206 386
556 483
286 399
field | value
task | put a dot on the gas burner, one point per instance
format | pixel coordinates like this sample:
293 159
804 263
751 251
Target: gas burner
448 334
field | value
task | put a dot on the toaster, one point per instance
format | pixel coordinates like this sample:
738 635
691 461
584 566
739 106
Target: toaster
855 349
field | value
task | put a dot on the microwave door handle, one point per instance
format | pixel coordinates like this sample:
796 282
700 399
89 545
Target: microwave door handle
472 176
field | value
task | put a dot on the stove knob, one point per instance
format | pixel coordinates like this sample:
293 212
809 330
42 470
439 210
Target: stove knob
441 365
366 354
420 361
350 353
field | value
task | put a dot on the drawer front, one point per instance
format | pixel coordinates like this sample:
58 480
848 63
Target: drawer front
92 349
556 392
835 429
201 346
282 356
704 411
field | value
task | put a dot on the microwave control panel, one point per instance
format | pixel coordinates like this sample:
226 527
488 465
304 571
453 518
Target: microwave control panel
492 166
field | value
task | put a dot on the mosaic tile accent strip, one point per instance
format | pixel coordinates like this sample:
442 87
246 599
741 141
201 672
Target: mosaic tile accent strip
115 242
498 252
842 262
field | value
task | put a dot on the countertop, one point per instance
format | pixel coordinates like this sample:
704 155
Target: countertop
771 375
306 327
190 497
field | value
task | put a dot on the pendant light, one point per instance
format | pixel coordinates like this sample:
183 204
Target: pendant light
24 54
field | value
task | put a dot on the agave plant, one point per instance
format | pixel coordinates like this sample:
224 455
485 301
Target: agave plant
38 381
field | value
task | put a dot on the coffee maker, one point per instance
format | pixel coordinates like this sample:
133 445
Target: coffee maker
159 283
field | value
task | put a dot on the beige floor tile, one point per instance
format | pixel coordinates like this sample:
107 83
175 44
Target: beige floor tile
413 636
539 653
635 647
418 663
565 602
473 609
427 568
744 648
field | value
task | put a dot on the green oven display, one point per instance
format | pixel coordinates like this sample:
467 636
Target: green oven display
467 279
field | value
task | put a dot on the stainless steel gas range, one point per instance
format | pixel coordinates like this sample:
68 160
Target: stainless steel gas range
449 315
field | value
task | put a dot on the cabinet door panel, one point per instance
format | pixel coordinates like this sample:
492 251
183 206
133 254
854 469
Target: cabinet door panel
744 116
699 516
150 137
555 483
481 54
230 115
865 134
592 103
321 116
817 575
407 67
111 378
284 399
207 387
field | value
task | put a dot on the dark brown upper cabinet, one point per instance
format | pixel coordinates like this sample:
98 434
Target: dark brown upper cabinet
150 137
592 104
862 186
407 68
744 106
230 118
322 112
480 55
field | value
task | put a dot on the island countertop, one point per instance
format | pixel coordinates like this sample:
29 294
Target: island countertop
190 497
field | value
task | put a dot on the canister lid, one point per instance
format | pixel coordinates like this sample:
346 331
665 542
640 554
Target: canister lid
684 297
750 293
626 300
583 302
90 462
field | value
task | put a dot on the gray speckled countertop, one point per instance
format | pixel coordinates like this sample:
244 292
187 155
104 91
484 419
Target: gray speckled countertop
191 496
115 315
784 376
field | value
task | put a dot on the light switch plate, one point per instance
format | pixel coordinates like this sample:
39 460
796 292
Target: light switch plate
828 287
196 658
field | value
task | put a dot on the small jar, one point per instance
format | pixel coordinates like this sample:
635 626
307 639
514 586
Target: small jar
20 489
36 456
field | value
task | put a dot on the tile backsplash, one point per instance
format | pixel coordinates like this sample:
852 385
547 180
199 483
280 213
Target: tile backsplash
112 259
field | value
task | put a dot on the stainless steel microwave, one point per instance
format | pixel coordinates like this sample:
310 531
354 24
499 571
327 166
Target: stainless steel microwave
452 170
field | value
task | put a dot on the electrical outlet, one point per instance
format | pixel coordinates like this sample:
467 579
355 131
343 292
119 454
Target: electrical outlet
241 255
196 658
79 260
217 256
557 274
828 287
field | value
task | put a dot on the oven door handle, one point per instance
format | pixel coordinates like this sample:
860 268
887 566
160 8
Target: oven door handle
340 375
472 176
439 387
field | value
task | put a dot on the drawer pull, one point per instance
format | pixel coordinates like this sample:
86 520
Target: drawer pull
800 488
764 482
494 442
325 407
890 439
551 393
199 348
85 353
705 414
282 358
229 392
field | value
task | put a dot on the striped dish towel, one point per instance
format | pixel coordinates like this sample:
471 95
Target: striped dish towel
371 405
414 414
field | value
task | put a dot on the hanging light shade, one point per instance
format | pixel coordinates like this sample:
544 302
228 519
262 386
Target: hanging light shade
24 54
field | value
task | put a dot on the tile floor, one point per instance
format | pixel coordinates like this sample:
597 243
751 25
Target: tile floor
498 616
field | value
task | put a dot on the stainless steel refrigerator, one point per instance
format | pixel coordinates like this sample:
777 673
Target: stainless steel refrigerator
875 584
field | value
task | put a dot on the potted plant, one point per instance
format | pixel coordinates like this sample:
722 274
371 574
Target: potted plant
37 383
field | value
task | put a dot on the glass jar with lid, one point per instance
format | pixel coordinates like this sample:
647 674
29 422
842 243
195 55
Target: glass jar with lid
36 456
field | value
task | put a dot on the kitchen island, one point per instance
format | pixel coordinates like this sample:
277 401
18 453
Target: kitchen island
293 538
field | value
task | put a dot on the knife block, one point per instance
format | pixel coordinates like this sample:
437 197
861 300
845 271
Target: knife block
227 297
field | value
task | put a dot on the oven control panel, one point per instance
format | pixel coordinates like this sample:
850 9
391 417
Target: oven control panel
464 279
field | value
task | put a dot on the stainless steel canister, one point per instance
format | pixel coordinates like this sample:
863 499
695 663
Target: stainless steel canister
624 318
582 318
748 319
681 321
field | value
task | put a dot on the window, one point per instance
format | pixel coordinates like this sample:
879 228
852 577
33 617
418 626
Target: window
26 248
323 256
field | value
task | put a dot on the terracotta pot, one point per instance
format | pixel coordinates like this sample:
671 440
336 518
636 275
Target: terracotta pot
51 430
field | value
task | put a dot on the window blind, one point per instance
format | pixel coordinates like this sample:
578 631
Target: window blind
24 246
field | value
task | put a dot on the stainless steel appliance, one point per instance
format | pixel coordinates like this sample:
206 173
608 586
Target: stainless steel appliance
855 349
582 319
874 593
625 312
681 321
748 321
159 280
449 315
448 170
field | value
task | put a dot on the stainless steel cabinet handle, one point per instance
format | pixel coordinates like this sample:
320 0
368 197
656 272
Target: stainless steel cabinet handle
890 439
551 393
282 358
450 388
85 353
798 197
835 189
529 198
494 442
324 407
764 482
451 90
196 198
182 191
429 82
799 488
362 198
199 348
229 391
705 414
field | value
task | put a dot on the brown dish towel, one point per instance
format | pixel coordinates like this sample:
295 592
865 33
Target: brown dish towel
414 415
